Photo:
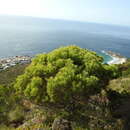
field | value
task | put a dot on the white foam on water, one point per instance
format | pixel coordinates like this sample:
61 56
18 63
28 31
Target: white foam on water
115 59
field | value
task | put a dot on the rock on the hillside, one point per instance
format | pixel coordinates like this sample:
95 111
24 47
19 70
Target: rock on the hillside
61 124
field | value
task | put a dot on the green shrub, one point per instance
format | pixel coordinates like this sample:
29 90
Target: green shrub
4 127
112 71
16 115
64 75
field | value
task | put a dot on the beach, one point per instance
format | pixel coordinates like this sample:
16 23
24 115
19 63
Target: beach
116 58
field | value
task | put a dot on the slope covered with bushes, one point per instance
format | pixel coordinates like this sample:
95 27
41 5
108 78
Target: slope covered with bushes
69 83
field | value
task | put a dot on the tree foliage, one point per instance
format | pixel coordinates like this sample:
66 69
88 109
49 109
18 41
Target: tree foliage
62 75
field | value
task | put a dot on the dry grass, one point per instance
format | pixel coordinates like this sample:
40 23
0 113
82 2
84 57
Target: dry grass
121 85
9 75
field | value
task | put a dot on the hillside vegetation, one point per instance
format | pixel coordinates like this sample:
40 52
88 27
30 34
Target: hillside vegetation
70 85
9 75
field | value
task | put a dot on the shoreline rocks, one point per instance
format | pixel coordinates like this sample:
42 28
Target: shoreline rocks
116 58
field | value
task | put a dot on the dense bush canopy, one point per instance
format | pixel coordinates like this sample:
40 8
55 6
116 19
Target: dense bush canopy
62 75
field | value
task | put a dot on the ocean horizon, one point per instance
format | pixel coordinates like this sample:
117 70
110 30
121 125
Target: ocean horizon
21 35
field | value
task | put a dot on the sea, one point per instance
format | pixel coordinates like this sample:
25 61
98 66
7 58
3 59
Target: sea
22 35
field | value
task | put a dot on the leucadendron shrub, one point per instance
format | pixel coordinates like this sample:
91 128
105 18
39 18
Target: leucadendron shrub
63 75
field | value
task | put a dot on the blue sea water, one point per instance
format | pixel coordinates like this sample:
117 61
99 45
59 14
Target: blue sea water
29 36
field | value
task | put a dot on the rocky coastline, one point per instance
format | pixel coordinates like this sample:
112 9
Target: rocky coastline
116 58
